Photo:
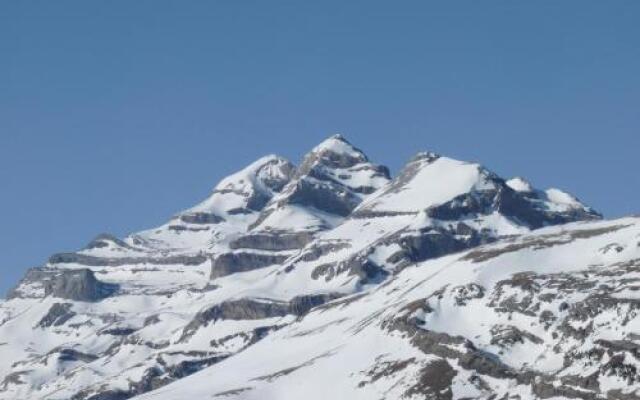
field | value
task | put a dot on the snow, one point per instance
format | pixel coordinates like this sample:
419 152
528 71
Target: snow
338 350
232 191
326 354
519 184
559 197
337 144
297 218
434 184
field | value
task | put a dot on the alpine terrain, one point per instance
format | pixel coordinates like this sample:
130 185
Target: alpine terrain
334 280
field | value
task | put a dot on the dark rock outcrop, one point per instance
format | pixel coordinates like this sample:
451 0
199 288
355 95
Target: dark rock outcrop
272 241
57 315
231 263
104 240
93 261
255 309
522 207
72 355
201 218
71 284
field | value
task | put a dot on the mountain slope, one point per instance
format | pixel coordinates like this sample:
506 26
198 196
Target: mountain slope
547 315
335 276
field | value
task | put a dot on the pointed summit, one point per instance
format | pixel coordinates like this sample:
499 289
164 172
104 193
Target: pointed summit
424 156
234 204
429 180
337 143
333 179
451 189
334 152
248 189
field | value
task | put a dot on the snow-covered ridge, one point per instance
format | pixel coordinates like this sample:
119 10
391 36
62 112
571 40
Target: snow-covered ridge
428 181
333 279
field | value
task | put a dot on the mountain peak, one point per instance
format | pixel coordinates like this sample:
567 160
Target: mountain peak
339 145
427 156
332 180
271 167
250 188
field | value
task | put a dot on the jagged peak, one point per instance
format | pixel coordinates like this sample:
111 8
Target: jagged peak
334 154
251 171
424 156
337 140
337 145
332 180
248 189
429 179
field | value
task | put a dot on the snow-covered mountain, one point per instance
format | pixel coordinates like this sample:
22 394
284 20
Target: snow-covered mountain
335 280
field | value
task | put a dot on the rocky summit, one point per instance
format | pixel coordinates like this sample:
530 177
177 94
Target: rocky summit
335 280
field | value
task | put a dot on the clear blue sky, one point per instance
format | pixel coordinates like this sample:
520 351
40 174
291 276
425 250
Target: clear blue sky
116 114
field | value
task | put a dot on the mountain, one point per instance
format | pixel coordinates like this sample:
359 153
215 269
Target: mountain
333 279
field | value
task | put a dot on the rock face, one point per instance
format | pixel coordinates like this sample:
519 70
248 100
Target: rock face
332 179
234 204
234 262
334 280
58 314
434 207
76 284
271 241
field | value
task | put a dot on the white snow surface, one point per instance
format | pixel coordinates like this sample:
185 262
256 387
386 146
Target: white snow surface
519 184
331 352
435 183
488 288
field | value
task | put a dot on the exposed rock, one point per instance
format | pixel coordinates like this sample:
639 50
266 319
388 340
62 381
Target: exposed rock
57 315
119 331
14 378
272 241
334 200
465 293
80 285
320 249
333 179
300 305
433 242
70 355
231 263
104 240
435 381
71 284
384 369
515 205
507 336
93 261
358 265
255 309
201 218
538 242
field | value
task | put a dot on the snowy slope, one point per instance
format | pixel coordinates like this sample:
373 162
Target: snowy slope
234 204
552 314
334 279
